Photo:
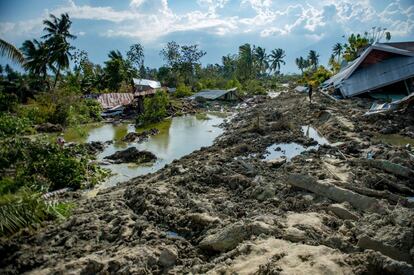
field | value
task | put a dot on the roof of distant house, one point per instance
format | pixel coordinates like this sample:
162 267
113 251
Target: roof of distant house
146 82
212 94
112 100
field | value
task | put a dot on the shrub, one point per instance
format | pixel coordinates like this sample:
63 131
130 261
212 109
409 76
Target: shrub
233 83
27 208
11 125
8 102
182 91
253 87
155 108
46 166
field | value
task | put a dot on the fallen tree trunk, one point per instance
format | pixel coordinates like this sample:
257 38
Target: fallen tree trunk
335 193
393 198
390 167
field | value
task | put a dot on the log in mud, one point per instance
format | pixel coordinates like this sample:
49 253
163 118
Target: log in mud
224 209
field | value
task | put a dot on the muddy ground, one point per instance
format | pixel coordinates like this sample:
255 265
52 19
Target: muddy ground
340 208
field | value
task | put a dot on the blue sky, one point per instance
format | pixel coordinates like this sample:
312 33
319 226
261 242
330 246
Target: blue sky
217 26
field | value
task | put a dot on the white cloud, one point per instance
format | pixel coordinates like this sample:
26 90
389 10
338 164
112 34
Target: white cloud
314 19
136 3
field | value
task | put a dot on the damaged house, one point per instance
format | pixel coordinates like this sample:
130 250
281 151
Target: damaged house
224 95
383 70
114 103
143 88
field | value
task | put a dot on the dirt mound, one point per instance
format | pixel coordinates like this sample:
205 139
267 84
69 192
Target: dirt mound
337 208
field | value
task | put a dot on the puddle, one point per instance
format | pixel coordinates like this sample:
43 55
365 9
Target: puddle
310 132
284 150
293 149
393 139
178 137
172 234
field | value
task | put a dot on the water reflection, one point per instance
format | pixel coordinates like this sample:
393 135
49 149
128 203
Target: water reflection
178 137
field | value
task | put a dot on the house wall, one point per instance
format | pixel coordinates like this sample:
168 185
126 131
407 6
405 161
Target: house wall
378 75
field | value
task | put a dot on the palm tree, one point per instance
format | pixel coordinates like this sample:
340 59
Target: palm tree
261 59
245 62
37 57
337 50
10 51
57 34
313 58
229 65
301 63
276 59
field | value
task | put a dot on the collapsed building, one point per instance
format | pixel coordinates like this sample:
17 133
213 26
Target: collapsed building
383 70
224 95
116 103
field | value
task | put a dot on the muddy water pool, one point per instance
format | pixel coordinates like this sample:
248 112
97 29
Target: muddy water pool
178 137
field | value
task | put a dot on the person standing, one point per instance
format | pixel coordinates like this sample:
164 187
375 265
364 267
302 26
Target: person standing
310 92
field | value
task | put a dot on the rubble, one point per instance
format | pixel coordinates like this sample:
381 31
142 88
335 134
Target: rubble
131 155
223 209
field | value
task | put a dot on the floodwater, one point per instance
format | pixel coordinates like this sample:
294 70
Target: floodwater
178 137
293 149
394 139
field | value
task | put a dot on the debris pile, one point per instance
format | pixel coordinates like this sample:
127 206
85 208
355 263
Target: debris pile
341 208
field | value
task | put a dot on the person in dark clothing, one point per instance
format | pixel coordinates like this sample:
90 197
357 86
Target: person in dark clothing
310 93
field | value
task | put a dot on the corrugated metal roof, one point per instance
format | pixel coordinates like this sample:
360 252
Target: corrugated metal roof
111 100
378 75
212 94
146 82
338 80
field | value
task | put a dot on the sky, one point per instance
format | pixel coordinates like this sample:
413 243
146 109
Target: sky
218 26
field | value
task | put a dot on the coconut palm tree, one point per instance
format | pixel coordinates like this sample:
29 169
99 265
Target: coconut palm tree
261 59
10 51
276 59
245 62
301 63
337 50
37 57
313 58
57 35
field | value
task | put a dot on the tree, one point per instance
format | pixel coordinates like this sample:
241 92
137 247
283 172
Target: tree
229 65
337 50
301 63
313 58
155 108
57 35
334 65
276 59
171 54
182 59
261 59
10 51
356 44
245 68
114 70
136 55
37 57
377 34
189 58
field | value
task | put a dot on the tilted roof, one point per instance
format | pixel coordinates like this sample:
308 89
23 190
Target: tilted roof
146 82
212 94
372 55
111 100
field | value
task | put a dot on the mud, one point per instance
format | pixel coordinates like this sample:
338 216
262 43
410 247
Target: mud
224 210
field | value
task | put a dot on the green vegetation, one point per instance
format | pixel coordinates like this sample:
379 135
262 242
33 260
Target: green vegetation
314 75
29 168
26 209
155 109
182 91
